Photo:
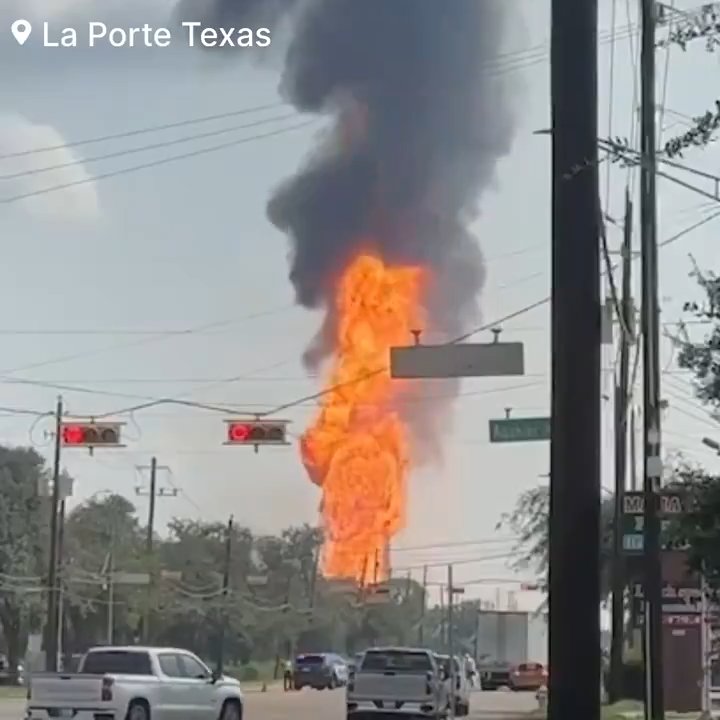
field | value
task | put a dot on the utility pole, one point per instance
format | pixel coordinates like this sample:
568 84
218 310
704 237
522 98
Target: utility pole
423 607
622 392
655 702
225 593
451 650
443 622
151 507
574 577
61 577
51 635
154 492
111 597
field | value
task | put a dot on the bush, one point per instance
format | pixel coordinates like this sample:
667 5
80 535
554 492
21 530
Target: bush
249 673
632 684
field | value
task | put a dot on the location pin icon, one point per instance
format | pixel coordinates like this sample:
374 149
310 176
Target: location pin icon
21 30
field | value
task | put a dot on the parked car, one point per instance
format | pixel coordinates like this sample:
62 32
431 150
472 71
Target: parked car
320 671
462 681
137 683
528 676
494 675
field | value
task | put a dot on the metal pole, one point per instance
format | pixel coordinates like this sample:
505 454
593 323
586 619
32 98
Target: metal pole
621 415
476 644
705 649
651 368
111 597
633 448
574 577
61 579
451 601
51 636
423 607
225 593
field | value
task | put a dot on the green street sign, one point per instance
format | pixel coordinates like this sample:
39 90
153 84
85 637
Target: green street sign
519 429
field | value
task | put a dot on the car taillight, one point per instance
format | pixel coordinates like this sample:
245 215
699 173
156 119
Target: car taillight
106 694
429 683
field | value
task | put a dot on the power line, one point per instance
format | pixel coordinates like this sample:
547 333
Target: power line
193 330
145 148
154 163
459 543
142 131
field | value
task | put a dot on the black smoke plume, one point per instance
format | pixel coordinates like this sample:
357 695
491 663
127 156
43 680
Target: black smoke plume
423 116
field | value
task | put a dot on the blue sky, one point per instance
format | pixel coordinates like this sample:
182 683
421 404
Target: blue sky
186 245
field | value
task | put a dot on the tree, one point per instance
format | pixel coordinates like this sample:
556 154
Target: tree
101 535
702 356
22 473
530 522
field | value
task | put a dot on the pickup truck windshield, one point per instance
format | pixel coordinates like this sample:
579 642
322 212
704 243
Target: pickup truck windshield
396 660
117 662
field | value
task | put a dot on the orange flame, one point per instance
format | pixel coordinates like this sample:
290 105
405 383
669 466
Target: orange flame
357 448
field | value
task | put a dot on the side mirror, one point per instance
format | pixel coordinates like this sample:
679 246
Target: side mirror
214 677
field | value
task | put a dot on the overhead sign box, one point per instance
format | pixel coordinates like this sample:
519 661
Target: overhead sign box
457 361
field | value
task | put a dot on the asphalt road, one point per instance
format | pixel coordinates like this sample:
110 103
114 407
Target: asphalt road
326 705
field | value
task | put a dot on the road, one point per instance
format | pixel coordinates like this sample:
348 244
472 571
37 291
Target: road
317 705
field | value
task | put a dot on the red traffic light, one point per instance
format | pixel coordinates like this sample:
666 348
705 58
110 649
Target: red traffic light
256 432
90 434
238 432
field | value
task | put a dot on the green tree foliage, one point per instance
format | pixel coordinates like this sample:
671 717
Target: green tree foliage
22 474
276 603
702 356
697 25
529 522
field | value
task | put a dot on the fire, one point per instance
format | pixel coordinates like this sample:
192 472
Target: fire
357 449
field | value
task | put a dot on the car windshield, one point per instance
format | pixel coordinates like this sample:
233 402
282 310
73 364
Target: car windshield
529 667
397 660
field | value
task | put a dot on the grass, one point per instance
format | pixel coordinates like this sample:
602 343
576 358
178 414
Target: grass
624 710
264 672
8 692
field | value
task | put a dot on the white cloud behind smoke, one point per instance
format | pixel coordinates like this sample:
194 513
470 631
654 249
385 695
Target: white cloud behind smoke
77 202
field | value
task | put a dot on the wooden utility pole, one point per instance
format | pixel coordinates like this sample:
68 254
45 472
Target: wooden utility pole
574 553
225 592
51 634
153 493
622 397
652 476
423 607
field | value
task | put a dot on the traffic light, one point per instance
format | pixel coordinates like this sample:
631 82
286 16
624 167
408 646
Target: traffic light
256 432
90 434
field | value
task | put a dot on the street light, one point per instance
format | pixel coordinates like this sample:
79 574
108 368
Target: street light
712 444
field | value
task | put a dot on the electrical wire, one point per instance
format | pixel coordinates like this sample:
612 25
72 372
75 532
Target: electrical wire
193 330
142 131
155 163
145 148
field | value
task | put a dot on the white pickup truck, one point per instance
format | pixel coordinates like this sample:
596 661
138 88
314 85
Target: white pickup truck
397 682
135 683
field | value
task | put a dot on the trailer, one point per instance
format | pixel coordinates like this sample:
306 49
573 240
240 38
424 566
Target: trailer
505 639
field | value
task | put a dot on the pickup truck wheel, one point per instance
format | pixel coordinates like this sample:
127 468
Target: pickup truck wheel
138 710
231 710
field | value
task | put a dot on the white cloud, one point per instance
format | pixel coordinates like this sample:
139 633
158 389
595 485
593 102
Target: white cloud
78 201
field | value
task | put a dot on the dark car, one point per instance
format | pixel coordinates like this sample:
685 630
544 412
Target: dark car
494 675
320 671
